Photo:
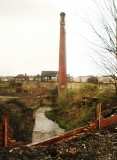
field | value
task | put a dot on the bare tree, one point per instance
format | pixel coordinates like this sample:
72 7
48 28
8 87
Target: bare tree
105 45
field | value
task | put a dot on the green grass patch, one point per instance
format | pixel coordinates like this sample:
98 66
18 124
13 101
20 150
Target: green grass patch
4 85
75 108
70 118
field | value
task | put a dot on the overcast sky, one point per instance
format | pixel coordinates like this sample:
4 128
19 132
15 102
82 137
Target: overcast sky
29 36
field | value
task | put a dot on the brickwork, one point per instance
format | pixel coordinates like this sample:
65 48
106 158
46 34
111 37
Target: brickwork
108 121
4 133
36 84
53 85
62 79
91 127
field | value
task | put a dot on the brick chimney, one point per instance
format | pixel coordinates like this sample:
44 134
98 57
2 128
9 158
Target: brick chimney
62 79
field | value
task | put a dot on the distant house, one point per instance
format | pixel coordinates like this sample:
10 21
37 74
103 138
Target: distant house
101 79
31 78
7 78
69 78
21 77
46 76
81 79
105 79
38 78
49 76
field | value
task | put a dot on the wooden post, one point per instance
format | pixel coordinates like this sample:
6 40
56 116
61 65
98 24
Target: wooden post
98 112
1 135
6 130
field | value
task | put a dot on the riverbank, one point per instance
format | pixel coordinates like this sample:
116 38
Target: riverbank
27 120
20 111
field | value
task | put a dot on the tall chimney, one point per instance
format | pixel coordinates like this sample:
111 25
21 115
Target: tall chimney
62 79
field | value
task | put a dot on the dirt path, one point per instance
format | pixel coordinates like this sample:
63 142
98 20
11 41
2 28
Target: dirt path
44 128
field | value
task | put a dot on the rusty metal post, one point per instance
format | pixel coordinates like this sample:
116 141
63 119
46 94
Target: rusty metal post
6 130
98 112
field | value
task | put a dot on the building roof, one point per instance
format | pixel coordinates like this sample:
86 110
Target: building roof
21 76
49 73
31 76
37 76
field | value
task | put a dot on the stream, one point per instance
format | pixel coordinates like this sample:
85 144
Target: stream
44 128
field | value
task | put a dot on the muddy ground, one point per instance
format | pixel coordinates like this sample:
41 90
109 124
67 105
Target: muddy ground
101 145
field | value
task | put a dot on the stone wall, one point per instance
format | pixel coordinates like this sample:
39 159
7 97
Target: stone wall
52 85
37 84
91 127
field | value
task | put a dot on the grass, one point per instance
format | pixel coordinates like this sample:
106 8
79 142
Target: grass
30 102
70 118
71 112
4 85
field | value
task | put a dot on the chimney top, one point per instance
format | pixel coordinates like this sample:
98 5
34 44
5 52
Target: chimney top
62 13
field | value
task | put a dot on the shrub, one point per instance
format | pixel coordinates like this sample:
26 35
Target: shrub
89 90
66 97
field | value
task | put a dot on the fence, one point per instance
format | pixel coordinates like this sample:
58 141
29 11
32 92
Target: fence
98 123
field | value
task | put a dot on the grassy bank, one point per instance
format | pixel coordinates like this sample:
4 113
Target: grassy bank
73 110
71 117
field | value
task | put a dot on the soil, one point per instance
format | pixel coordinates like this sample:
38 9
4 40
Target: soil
21 119
101 145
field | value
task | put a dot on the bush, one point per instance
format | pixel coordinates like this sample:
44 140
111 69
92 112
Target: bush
54 91
66 97
89 90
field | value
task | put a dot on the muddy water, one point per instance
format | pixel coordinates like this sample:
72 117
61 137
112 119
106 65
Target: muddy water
44 128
